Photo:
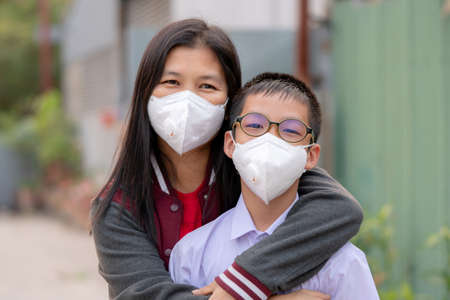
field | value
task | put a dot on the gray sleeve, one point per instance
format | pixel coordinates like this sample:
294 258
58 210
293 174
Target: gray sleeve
129 261
325 218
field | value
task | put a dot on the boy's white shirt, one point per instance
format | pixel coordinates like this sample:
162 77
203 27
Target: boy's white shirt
209 250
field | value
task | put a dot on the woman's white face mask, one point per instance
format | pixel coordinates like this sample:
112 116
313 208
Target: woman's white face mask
185 120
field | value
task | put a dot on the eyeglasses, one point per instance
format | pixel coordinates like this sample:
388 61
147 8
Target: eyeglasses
290 130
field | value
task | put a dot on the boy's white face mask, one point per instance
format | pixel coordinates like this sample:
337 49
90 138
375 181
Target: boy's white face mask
185 120
268 165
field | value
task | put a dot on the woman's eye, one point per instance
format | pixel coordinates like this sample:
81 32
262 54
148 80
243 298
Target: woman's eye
207 86
170 82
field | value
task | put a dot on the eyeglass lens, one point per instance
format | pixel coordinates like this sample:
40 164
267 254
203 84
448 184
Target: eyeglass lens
255 124
292 130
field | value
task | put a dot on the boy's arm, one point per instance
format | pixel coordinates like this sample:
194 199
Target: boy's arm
129 261
324 219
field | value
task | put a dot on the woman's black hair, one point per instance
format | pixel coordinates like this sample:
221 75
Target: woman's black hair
133 170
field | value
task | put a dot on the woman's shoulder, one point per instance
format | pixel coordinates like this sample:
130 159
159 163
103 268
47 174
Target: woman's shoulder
117 214
119 196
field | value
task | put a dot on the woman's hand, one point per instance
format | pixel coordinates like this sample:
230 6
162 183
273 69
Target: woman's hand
302 295
217 293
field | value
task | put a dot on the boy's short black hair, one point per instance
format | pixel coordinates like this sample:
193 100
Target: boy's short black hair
285 85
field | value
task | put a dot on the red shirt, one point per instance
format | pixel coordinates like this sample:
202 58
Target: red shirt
169 216
192 212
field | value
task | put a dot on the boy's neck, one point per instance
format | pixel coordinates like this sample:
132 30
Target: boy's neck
264 215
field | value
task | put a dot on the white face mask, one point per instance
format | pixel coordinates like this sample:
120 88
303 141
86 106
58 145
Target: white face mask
268 165
185 120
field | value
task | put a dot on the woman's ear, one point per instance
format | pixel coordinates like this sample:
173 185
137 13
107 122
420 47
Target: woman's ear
313 156
228 144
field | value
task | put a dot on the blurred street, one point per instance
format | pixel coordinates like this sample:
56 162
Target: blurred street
70 79
43 258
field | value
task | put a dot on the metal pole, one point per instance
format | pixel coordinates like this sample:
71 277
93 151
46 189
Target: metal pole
303 45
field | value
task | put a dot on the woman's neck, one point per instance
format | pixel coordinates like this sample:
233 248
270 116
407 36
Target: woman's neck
186 172
264 215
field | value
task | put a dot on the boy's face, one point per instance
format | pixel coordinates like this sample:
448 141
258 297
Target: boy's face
276 110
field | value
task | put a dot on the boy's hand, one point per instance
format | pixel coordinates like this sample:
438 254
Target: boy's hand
217 293
301 295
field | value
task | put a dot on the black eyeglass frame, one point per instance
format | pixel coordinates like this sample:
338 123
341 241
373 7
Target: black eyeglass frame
309 130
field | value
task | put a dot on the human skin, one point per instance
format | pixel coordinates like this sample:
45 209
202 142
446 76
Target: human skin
264 215
275 110
196 69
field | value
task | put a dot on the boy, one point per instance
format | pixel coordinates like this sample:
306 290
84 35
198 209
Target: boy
275 125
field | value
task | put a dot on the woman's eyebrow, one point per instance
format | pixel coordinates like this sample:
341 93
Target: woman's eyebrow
173 73
212 77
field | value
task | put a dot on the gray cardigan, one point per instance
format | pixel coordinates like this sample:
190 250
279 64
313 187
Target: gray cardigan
324 219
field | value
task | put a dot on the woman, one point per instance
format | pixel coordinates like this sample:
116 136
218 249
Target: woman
171 176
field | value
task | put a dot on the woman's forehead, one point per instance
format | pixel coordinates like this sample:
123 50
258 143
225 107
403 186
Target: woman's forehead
201 61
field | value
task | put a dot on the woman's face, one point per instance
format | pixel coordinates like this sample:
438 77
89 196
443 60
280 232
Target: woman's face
196 69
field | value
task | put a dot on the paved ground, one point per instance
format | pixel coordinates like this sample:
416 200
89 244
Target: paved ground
42 258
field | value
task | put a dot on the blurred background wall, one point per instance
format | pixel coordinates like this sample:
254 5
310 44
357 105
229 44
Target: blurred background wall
392 74
101 55
385 102
380 69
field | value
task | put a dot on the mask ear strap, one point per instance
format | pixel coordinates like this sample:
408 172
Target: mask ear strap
232 138
307 147
225 104
159 175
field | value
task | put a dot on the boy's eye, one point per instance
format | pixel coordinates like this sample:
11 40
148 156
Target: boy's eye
207 86
291 131
253 125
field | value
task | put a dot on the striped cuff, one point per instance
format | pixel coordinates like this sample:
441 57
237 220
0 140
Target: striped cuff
241 285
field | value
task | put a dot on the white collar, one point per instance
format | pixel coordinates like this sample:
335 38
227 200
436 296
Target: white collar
242 223
160 177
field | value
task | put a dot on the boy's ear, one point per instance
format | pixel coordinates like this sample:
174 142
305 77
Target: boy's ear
228 145
313 156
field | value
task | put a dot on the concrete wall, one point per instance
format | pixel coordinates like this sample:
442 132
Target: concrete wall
89 27
102 54
91 81
240 15
14 171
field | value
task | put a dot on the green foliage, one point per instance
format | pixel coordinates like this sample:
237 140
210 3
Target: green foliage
45 136
442 239
402 292
55 133
376 240
19 52
19 134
